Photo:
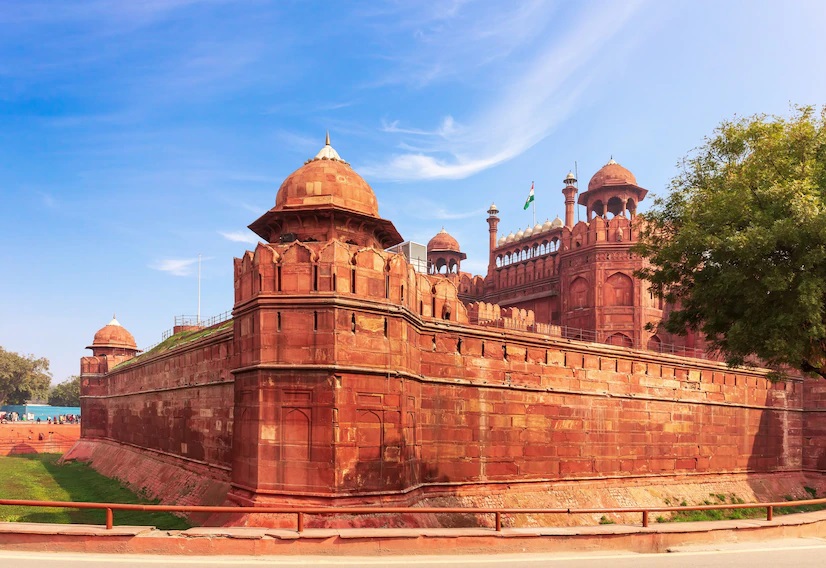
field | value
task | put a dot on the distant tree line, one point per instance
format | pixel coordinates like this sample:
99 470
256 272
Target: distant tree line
26 378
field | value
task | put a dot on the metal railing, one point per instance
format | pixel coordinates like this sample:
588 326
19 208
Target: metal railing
498 513
185 320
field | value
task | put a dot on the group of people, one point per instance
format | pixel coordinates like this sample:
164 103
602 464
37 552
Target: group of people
62 419
6 417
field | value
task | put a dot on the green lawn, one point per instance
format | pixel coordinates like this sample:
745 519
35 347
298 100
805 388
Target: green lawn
38 476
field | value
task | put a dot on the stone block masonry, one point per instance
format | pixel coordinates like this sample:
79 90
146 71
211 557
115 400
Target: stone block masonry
346 377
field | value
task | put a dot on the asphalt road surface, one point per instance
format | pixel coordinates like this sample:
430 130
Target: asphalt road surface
791 553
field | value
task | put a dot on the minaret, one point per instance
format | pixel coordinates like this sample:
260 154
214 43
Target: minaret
493 224
569 191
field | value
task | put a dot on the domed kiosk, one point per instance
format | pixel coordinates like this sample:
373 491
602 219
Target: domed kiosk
113 339
326 199
112 345
443 254
613 189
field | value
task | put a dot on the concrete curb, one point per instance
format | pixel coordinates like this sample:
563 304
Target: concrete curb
248 541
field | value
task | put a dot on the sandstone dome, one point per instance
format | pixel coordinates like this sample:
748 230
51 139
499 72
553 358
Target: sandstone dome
327 180
556 223
443 241
113 334
611 174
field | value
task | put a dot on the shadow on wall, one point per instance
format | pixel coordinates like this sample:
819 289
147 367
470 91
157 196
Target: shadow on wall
777 446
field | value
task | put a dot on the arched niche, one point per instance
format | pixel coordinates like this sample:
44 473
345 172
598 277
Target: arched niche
618 290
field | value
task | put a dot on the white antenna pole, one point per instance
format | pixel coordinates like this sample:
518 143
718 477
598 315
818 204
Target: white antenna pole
199 289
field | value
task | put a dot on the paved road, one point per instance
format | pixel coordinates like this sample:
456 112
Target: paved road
792 553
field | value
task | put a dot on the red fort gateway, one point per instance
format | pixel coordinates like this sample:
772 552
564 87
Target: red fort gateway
346 376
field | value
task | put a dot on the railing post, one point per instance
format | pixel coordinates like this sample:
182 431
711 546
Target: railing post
769 513
645 518
300 522
109 518
498 521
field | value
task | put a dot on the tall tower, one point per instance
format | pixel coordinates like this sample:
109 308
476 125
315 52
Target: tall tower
569 191
493 224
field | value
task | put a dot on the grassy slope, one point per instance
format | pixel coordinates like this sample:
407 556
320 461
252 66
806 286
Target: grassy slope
38 476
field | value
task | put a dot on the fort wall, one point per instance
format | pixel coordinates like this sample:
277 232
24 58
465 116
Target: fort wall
814 425
177 402
346 377
345 374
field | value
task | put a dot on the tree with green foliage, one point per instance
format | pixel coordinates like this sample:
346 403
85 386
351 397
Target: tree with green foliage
739 245
22 377
66 393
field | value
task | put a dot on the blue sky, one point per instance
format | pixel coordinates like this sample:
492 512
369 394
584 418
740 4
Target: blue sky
135 135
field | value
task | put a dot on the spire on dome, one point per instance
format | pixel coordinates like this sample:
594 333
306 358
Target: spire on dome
328 152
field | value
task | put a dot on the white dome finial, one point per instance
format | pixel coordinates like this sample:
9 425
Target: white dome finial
327 153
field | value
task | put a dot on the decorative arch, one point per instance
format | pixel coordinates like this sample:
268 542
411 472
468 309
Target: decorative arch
655 344
597 208
579 293
296 434
619 290
619 339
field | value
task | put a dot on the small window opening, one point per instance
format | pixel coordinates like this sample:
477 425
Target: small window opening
459 346
505 352
353 281
386 285
334 282
483 349
353 323
315 321
385 327
402 293
278 278
278 321
315 278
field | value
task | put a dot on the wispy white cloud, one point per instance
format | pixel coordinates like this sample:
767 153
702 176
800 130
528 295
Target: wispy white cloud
242 236
176 267
447 128
533 98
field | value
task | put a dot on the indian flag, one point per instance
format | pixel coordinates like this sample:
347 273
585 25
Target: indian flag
529 200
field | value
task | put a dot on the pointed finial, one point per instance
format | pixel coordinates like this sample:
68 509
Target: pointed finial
114 317
327 141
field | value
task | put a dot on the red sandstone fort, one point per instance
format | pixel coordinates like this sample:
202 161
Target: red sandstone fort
347 376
